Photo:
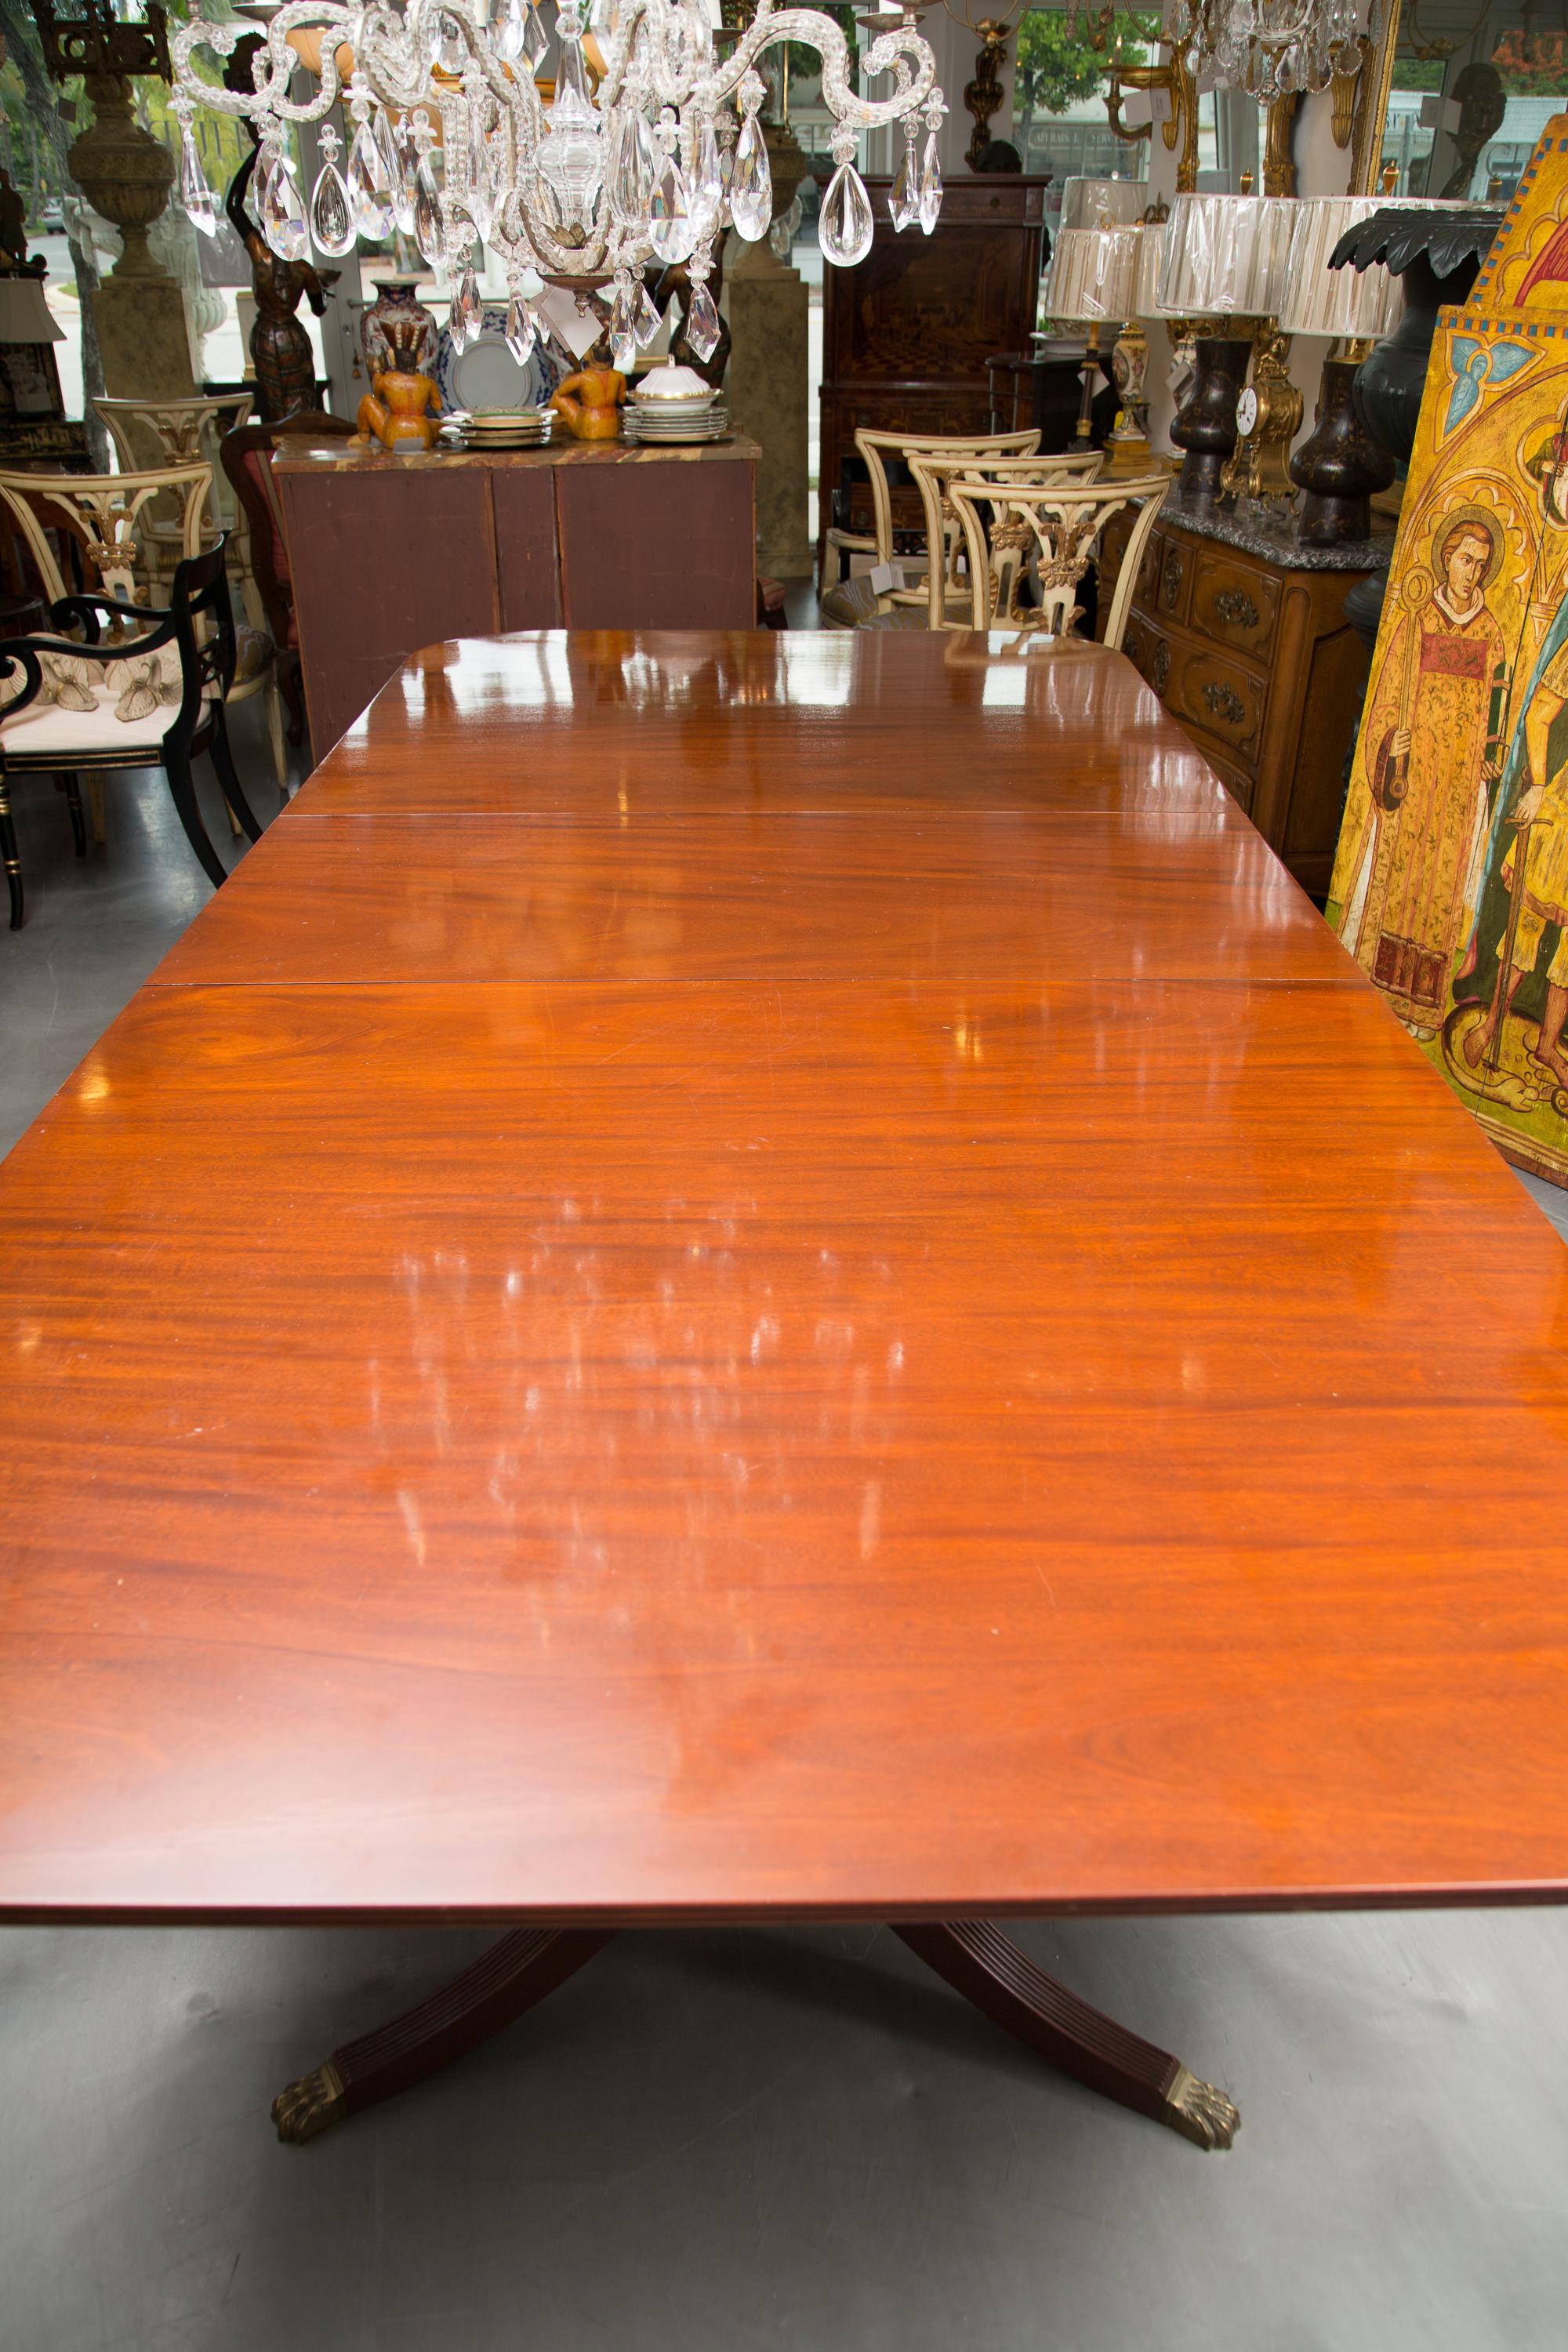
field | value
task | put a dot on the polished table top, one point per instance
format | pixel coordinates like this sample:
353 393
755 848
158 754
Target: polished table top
772 1274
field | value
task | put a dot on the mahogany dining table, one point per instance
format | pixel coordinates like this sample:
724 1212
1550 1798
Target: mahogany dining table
772 1276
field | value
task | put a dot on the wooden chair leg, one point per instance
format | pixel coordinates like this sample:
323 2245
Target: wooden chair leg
228 777
95 810
275 734
510 1978
72 787
290 686
9 853
182 793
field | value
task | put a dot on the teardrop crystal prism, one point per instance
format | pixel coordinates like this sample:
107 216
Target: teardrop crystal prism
705 186
195 193
331 229
369 188
445 44
646 319
670 230
845 228
634 171
482 194
467 315
283 211
624 351
520 330
751 182
427 214
511 31
904 196
703 326
931 185
406 180
535 41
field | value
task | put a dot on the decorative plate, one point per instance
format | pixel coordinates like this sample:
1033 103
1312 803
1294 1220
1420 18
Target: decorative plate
485 375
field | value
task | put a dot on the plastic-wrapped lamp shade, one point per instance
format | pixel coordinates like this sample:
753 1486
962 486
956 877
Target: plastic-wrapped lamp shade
25 315
1318 300
1151 262
1226 256
1093 274
1102 203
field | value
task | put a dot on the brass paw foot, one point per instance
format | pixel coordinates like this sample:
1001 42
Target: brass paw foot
311 2105
1200 2113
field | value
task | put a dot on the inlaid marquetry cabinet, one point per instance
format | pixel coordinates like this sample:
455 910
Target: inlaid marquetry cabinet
1248 649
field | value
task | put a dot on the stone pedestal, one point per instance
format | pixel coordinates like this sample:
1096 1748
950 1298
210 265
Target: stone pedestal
142 339
139 313
767 303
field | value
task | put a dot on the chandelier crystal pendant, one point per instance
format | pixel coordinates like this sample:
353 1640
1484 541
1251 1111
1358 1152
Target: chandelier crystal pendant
648 149
1271 48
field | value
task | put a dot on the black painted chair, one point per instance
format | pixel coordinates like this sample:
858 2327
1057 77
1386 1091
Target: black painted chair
42 734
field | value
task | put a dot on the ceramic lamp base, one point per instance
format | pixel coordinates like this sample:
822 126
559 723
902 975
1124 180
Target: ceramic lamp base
1204 428
1338 468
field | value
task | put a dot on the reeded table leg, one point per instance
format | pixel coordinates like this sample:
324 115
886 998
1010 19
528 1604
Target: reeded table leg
974 1955
510 1978
989 1969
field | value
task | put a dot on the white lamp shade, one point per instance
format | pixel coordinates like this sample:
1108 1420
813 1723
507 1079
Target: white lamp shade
1094 274
1151 262
25 316
1323 301
1102 203
1226 256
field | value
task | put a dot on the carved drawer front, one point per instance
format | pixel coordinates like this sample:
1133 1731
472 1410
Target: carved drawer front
1148 649
1234 604
1174 567
1147 589
1237 781
1113 545
1226 701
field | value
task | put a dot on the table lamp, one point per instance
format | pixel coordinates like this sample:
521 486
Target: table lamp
1094 266
1128 447
1337 469
29 379
1224 262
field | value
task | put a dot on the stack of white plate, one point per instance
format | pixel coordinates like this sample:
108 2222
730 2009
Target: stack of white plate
502 428
704 419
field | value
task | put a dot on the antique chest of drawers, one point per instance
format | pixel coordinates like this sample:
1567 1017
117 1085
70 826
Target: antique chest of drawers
1242 635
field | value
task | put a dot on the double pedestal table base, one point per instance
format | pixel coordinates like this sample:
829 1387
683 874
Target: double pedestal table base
973 1955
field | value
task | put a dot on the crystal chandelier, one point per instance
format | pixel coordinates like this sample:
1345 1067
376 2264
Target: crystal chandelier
651 165
1271 48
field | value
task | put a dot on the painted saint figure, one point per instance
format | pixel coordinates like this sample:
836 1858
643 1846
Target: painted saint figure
1523 891
1433 748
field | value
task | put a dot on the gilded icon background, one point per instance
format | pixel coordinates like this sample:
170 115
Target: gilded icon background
1450 884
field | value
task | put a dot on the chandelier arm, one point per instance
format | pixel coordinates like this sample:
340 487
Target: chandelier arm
275 63
435 60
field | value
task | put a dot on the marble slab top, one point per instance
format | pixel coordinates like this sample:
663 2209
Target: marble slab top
1262 530
304 456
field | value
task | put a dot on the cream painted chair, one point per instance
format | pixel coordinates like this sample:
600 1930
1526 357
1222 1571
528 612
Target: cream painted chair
188 432
1045 533
945 600
854 602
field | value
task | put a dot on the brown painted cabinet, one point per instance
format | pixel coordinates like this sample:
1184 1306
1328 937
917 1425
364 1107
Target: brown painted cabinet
1250 651
390 554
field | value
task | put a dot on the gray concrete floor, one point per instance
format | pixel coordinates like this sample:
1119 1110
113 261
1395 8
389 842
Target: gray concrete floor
795 2139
